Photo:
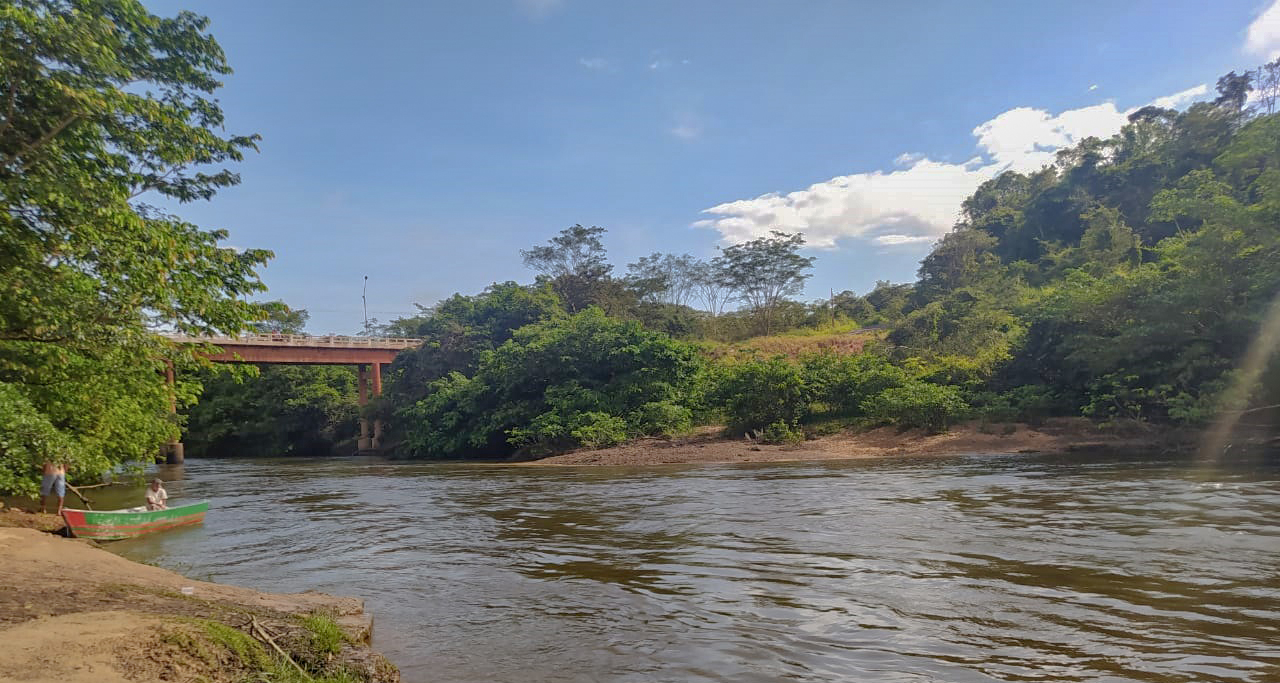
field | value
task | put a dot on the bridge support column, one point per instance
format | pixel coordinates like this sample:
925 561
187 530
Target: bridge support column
377 391
362 381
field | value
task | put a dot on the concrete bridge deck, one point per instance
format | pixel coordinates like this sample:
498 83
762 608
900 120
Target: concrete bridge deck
301 349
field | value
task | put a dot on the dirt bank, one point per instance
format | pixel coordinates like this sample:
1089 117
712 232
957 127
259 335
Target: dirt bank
70 611
1054 436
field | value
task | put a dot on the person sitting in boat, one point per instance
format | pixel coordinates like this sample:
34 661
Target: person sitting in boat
156 496
53 483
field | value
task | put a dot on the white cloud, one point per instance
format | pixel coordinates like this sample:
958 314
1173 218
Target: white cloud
687 126
1263 35
896 240
594 63
1024 139
1181 99
687 131
1093 87
539 8
919 201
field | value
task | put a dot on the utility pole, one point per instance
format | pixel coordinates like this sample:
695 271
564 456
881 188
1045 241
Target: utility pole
364 303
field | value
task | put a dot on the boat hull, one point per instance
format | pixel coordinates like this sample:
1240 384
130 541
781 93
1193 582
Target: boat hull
113 525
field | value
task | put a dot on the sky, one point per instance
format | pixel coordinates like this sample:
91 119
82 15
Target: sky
423 144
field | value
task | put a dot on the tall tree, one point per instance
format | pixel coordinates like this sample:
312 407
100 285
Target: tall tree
103 103
279 318
1266 80
710 285
665 278
766 270
576 264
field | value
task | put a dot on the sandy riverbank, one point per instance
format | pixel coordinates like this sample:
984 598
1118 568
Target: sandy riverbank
1054 436
71 612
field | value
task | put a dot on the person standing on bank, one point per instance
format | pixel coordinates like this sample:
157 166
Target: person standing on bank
53 483
156 496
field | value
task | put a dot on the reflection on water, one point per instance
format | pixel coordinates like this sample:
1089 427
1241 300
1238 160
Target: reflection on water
964 569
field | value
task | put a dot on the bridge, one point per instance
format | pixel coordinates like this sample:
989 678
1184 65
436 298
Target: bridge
368 354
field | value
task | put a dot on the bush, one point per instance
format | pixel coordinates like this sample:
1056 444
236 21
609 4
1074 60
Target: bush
843 382
917 404
584 380
661 418
781 433
758 393
598 430
1031 403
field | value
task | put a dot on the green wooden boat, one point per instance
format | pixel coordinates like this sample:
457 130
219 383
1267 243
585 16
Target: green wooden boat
113 525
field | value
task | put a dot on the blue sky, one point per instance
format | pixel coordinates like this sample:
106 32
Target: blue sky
425 144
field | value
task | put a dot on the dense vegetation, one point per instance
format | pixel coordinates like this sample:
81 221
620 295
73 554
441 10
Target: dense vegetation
103 106
274 410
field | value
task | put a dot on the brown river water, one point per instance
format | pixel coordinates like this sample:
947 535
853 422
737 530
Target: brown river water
978 568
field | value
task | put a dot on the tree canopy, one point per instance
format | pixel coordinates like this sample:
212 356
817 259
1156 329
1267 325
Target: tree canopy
105 105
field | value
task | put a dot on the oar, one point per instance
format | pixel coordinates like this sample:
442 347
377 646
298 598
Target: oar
87 503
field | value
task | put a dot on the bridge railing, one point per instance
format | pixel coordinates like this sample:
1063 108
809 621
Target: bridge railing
328 341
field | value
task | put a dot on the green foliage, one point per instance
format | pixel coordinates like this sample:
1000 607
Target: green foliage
757 393
26 440
917 404
105 102
284 410
764 271
1127 280
566 382
458 330
1030 403
593 430
842 383
781 433
662 418
576 266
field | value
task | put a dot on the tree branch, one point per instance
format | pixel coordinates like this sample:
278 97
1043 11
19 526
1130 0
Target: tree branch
43 139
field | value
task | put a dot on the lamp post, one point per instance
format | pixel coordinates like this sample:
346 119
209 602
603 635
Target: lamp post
364 303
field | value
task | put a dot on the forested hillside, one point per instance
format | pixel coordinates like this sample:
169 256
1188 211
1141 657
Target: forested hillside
1125 281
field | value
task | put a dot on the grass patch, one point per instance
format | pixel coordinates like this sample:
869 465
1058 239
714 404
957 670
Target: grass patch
250 652
267 666
794 345
326 636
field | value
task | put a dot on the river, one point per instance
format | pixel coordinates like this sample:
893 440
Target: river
957 569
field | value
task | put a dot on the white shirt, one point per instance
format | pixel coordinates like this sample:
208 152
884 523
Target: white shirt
156 497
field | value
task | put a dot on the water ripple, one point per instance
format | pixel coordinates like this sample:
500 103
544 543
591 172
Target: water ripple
974 568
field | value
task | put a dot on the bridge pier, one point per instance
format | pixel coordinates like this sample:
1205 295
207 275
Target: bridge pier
369 439
362 382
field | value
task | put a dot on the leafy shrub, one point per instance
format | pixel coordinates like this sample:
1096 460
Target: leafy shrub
598 430
757 393
843 382
917 404
26 439
782 433
582 380
661 418
1031 403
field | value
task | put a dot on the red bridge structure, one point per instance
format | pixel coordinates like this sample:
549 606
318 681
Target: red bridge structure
368 354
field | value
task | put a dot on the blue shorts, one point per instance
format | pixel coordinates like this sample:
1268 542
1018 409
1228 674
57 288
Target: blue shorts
53 484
